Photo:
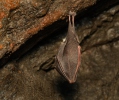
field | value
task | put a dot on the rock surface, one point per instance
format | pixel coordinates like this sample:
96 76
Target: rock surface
33 77
22 19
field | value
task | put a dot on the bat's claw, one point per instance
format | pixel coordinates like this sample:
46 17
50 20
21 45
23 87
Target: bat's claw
72 13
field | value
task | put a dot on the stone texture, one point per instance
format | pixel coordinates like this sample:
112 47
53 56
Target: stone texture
33 77
22 19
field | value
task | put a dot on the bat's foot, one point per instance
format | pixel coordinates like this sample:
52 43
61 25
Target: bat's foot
72 13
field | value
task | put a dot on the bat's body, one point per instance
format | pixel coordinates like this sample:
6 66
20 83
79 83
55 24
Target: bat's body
68 57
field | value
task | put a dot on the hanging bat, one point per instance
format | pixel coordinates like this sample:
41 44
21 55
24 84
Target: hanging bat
69 55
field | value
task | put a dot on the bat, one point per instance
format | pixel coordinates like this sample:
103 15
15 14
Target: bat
69 56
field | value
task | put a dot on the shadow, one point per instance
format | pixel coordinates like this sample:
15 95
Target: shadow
67 91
